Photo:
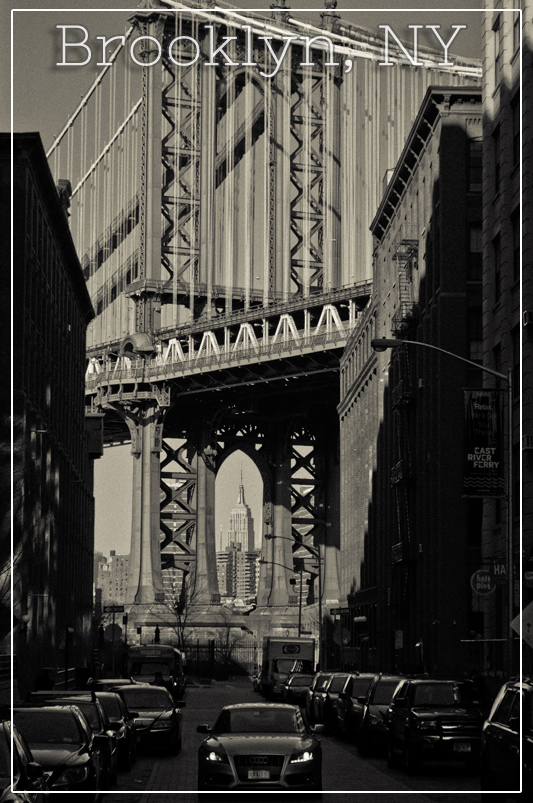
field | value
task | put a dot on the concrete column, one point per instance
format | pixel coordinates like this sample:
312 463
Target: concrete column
145 581
275 577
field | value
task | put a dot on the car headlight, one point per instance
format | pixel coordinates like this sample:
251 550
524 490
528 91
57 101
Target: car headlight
73 775
298 758
216 755
428 724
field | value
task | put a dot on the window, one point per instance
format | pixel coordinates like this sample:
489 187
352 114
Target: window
496 250
475 256
475 334
515 223
475 151
516 33
515 110
497 158
498 48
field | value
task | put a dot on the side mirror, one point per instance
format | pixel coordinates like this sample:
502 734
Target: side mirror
180 704
343 695
514 723
134 714
317 728
203 729
361 700
400 702
35 771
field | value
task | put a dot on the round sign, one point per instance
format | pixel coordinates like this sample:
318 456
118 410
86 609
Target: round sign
112 632
482 582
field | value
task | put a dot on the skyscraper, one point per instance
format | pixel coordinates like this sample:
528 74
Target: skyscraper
241 527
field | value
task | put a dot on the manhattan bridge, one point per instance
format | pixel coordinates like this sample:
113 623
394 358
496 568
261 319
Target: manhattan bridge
221 204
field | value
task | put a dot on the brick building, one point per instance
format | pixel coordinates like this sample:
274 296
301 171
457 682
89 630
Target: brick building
53 479
508 289
410 542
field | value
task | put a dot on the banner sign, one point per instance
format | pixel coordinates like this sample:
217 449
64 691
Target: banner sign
483 469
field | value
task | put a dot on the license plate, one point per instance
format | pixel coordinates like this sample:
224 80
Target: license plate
258 775
462 747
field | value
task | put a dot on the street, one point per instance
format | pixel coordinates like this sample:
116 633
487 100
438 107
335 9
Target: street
344 772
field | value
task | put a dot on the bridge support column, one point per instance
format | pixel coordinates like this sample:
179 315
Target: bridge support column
273 588
145 581
206 580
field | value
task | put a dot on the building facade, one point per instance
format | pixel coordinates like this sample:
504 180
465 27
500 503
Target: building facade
508 296
53 512
112 578
410 540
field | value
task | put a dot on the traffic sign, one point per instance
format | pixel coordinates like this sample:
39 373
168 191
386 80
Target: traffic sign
526 620
339 611
113 608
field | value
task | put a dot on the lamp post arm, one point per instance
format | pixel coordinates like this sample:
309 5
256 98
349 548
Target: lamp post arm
385 343
310 549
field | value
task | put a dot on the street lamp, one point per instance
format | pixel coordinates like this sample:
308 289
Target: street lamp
315 552
384 343
264 562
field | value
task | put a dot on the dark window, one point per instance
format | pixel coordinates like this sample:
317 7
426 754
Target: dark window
496 249
475 165
497 158
475 257
515 223
515 110
516 33
498 48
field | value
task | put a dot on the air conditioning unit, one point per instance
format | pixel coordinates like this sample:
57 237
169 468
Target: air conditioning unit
527 442
528 317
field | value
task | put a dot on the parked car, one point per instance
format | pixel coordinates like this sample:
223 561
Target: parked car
325 699
260 746
433 720
158 719
320 679
97 718
62 742
372 734
349 707
501 751
25 780
123 724
295 688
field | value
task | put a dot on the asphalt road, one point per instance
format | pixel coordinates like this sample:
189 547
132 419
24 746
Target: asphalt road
157 778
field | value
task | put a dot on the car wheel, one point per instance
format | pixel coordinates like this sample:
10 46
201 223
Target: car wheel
411 761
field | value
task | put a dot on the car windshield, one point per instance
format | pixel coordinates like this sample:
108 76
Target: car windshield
360 686
384 691
442 694
91 714
259 720
301 680
149 668
47 727
155 698
111 706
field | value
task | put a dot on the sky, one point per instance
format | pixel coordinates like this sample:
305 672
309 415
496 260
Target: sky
44 94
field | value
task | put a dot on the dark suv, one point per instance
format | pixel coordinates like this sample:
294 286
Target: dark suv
432 720
501 752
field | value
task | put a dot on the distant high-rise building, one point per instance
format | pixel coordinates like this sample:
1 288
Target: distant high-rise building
112 578
241 528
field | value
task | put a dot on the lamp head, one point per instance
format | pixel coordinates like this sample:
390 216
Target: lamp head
384 343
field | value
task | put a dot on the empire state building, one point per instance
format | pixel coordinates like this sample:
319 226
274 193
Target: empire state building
241 525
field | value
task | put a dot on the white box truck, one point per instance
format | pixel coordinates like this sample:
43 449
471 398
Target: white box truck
283 657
